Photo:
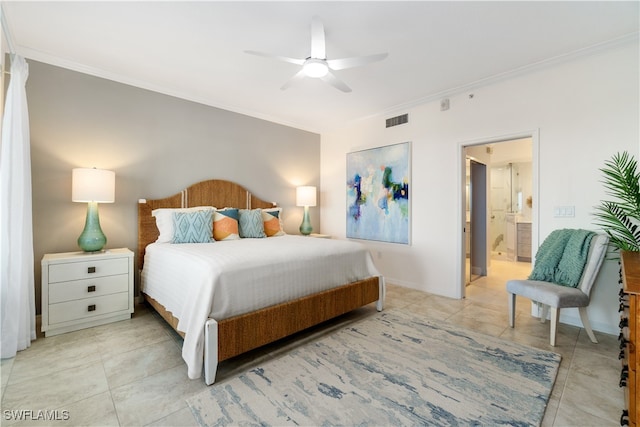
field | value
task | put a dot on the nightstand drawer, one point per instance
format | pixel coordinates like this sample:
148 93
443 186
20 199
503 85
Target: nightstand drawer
88 307
87 269
87 288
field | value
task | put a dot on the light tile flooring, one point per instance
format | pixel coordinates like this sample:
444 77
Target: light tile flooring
130 373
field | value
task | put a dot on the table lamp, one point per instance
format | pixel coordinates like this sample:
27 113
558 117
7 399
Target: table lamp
306 196
92 186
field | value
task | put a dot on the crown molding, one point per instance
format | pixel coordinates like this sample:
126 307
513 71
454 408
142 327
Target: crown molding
146 85
143 84
496 78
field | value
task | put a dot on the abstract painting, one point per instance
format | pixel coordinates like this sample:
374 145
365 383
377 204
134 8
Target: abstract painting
378 198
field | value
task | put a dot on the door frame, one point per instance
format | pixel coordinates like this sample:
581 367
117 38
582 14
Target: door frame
535 212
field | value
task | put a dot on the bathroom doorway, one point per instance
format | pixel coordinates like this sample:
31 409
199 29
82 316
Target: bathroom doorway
510 214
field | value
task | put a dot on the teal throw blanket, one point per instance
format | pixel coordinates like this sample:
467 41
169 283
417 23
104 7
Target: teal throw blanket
562 257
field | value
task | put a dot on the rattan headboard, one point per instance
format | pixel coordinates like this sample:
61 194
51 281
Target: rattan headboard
214 192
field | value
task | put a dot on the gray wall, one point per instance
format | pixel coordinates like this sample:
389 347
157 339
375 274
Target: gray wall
157 145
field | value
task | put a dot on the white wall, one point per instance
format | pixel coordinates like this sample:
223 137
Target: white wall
585 110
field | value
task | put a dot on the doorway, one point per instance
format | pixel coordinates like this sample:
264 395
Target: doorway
508 229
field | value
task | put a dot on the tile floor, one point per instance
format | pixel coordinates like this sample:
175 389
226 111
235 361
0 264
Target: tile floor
130 373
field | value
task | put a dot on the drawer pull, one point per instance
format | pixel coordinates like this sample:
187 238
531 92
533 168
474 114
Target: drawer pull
624 376
92 307
91 270
623 344
624 418
91 288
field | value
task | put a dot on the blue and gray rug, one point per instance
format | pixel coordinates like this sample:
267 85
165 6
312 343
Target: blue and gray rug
389 369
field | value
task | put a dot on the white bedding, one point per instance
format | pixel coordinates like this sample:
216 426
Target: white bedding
228 278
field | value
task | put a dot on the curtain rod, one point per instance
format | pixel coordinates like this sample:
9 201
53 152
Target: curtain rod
5 30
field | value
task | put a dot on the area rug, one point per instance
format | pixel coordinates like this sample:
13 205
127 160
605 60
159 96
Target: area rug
390 369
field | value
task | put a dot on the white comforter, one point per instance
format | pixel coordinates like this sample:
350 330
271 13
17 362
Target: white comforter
228 278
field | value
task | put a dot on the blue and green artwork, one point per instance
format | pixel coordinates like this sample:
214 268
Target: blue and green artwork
378 194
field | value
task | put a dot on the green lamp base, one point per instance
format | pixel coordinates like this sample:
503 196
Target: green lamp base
92 238
305 227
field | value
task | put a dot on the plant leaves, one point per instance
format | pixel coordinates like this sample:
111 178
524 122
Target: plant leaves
620 217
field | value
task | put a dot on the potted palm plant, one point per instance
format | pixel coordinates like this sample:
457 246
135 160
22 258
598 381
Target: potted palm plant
620 218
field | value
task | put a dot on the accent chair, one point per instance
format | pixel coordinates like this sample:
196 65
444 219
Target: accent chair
553 296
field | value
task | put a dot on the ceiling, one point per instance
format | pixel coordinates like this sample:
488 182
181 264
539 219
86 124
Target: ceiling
195 50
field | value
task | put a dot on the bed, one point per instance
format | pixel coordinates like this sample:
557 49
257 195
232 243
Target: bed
213 334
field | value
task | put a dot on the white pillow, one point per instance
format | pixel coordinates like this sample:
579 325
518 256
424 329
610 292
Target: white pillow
164 220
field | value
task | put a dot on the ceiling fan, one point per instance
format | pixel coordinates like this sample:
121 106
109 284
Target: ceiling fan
317 65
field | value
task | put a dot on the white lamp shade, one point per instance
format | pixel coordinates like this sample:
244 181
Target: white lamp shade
306 196
93 185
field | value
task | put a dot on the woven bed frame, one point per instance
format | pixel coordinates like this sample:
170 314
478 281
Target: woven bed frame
233 336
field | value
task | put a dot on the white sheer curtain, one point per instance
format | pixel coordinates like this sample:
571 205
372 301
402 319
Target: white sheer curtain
17 302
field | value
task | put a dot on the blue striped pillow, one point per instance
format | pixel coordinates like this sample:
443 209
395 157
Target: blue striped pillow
193 227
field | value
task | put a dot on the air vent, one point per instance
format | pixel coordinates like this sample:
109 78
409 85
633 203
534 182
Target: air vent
398 120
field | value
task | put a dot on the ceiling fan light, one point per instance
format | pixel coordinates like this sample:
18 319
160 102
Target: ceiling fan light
315 68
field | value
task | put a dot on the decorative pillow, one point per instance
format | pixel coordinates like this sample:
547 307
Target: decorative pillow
164 220
225 224
193 227
272 222
251 223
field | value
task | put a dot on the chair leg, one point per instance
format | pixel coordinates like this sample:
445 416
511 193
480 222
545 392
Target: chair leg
543 311
512 310
586 324
555 316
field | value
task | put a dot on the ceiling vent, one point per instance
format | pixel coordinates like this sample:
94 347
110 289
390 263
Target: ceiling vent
398 120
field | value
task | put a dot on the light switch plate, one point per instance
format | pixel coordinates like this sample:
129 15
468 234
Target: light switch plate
564 211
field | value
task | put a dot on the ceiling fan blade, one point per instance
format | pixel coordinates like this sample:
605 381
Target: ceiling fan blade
335 82
298 76
318 50
279 58
344 63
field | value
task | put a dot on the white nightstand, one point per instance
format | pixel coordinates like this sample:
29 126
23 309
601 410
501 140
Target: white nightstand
81 289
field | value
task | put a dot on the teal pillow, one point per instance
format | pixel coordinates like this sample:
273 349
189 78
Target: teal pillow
250 223
193 227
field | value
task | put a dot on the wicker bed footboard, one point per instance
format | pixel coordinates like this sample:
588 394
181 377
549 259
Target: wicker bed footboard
249 331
